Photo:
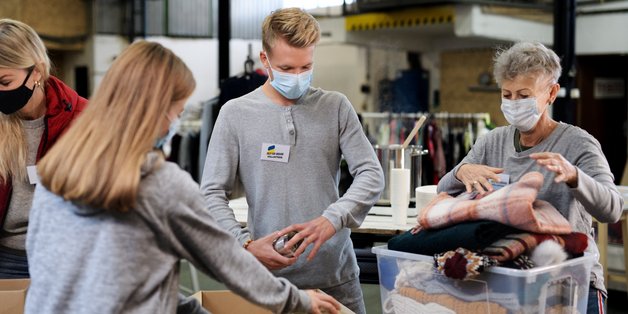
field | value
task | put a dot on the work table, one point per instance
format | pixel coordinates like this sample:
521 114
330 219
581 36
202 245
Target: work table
373 224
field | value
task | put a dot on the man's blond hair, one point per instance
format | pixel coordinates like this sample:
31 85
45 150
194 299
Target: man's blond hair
299 28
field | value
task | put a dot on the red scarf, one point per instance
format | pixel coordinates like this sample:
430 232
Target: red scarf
63 105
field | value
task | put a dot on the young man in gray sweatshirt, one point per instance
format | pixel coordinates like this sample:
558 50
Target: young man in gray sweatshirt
284 142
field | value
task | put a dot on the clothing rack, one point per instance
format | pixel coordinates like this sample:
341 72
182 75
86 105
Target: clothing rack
384 128
440 115
447 136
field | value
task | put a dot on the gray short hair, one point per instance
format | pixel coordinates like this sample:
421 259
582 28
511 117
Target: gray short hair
526 58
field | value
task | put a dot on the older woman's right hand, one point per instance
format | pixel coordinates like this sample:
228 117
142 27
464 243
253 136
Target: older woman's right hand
476 177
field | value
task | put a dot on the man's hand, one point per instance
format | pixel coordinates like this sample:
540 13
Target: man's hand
263 250
316 231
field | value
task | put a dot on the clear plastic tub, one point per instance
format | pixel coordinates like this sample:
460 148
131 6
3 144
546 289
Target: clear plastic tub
409 284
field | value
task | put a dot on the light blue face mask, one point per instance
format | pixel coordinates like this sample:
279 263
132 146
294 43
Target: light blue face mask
291 86
172 130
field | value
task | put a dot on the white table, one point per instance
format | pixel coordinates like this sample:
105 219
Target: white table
373 224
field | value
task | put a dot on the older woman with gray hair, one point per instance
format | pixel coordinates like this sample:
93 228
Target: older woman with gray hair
582 185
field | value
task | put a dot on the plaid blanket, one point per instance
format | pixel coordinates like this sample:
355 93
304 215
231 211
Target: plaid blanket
513 205
514 245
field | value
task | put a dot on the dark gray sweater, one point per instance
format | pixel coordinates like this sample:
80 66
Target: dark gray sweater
86 260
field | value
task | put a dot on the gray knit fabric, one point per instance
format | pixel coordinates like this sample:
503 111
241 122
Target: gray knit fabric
86 260
14 229
318 129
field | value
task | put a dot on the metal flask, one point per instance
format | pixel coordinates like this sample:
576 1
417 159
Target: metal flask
279 244
394 156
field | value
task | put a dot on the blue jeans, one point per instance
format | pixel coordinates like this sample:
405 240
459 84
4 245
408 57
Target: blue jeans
12 265
596 298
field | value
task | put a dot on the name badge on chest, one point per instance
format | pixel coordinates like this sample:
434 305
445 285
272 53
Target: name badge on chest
33 178
275 152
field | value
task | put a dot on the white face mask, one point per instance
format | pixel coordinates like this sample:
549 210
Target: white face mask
523 114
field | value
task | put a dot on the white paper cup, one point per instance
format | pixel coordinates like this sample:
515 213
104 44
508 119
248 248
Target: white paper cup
424 195
399 194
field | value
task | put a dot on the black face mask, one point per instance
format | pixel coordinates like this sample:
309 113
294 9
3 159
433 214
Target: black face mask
13 100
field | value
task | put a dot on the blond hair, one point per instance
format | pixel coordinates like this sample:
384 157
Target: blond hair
297 27
20 48
526 58
97 162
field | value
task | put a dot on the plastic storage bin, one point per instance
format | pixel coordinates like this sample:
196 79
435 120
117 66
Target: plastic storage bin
409 284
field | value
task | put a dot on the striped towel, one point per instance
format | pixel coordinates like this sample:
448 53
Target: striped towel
514 245
513 205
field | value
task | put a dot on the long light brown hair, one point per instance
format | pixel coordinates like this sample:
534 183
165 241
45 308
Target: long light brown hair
20 48
97 162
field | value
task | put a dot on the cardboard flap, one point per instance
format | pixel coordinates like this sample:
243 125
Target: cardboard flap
13 295
224 301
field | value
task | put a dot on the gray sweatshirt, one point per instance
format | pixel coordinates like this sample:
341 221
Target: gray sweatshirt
13 232
87 260
596 195
251 132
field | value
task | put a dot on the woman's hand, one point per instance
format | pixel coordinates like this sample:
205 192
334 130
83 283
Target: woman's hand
323 303
476 177
263 250
554 162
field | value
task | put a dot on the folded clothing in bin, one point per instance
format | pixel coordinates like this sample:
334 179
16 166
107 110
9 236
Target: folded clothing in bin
560 288
513 245
472 235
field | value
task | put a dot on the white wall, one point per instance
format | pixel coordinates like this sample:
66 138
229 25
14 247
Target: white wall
98 54
342 68
106 49
337 66
602 34
201 56
73 59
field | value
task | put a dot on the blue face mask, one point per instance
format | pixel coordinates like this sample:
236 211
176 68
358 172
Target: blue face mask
291 86
172 130
521 113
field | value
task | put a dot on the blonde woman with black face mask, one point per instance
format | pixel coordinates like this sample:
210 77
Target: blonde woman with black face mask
111 219
578 182
35 109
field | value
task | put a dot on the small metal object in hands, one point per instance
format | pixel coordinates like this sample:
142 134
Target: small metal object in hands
279 244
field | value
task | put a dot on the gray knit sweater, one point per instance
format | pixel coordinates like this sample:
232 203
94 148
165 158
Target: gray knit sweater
317 130
86 260
596 194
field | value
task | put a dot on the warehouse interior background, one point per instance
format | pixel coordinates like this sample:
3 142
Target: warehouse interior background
368 49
